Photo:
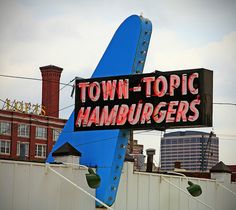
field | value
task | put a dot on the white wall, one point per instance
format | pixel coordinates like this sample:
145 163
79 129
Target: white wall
141 191
25 186
29 186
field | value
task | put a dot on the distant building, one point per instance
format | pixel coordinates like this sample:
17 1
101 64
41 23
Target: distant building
233 170
27 131
137 154
196 151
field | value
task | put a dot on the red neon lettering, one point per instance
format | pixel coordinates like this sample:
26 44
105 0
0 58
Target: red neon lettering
184 84
109 89
94 117
156 86
123 89
146 114
191 87
171 110
182 111
94 91
194 110
82 117
158 116
133 120
148 81
108 119
122 114
174 83
83 86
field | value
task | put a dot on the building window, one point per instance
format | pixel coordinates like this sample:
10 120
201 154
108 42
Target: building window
40 150
41 133
56 133
5 128
22 147
23 130
5 147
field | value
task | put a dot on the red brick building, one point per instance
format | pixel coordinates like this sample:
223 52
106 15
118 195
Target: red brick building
31 136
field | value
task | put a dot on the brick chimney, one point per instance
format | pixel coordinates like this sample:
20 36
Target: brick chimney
50 89
177 164
150 152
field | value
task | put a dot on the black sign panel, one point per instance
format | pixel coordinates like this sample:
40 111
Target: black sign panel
158 100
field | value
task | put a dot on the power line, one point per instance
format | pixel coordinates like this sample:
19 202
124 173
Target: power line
145 131
221 134
66 107
230 137
100 139
31 78
105 139
225 103
67 84
95 141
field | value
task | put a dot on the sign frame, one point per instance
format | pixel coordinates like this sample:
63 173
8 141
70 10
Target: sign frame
179 90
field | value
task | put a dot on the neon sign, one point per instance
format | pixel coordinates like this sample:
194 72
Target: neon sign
108 101
125 54
157 100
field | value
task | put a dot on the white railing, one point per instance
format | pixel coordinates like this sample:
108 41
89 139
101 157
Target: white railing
78 187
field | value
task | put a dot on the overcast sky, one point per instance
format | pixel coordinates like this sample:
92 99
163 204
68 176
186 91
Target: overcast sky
74 35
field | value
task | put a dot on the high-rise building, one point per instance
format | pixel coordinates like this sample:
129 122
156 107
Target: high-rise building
196 151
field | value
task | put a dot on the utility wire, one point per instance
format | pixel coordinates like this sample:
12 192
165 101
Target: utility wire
31 78
68 84
73 131
66 107
218 134
225 103
95 141
65 85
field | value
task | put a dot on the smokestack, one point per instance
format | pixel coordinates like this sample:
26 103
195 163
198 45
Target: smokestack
177 164
150 152
50 89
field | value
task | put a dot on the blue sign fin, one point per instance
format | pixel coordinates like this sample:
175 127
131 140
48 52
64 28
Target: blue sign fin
105 149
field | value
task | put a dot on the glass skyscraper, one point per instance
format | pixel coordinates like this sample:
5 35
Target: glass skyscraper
197 151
